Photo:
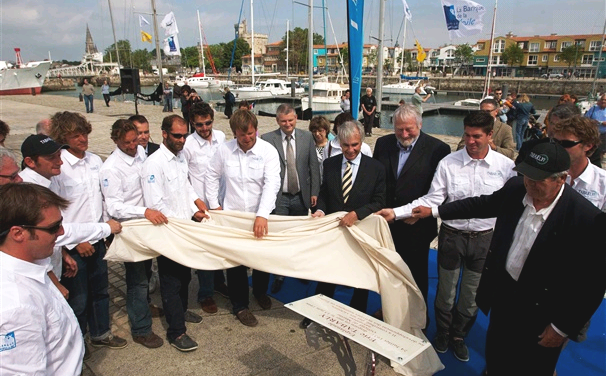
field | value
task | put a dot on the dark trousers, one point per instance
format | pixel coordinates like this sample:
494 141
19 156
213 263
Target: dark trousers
237 284
368 122
416 256
137 293
174 286
106 98
515 324
88 295
359 300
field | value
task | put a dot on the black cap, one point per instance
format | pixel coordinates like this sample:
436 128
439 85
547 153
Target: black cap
40 144
544 160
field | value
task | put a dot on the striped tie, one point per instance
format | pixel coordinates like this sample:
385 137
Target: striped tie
346 182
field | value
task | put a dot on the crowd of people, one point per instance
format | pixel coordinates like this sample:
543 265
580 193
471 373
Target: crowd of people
526 248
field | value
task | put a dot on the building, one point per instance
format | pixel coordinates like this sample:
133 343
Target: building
542 55
260 39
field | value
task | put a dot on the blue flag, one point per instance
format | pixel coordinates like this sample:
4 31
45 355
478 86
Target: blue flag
355 36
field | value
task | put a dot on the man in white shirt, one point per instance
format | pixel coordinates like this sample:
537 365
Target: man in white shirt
38 330
42 161
121 186
250 168
462 244
167 190
79 183
199 149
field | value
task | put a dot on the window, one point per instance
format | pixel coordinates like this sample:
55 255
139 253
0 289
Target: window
580 43
556 58
499 46
315 52
480 60
496 60
521 45
534 47
544 58
594 45
564 45
533 59
587 59
551 45
481 46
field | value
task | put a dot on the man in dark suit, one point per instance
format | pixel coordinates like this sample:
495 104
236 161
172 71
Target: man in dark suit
299 170
142 125
544 275
410 158
354 183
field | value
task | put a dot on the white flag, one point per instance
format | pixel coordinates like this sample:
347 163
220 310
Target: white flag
463 17
143 21
169 23
171 46
407 11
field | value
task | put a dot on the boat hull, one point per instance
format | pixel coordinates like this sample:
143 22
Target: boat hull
23 81
322 105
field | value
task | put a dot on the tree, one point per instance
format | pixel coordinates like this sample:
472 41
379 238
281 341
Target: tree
463 54
125 53
371 59
513 55
570 55
298 48
141 60
345 55
242 49
190 57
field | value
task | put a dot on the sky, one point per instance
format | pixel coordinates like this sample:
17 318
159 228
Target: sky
58 27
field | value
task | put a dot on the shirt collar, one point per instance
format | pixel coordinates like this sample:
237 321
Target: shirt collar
355 161
169 154
201 141
488 159
72 159
35 177
254 150
23 268
527 201
587 176
283 135
128 159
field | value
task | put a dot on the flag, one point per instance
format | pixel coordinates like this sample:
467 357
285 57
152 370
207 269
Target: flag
145 37
463 17
171 46
421 55
169 23
355 36
407 11
142 21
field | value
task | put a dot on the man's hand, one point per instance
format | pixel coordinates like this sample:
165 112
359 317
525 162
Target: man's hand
349 219
410 221
314 200
155 217
492 144
551 338
115 226
388 214
199 216
318 214
86 249
218 208
201 205
260 227
71 266
421 212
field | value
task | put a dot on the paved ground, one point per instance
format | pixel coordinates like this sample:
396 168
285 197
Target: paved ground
275 347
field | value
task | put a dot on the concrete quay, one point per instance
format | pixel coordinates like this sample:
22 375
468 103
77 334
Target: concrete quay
275 347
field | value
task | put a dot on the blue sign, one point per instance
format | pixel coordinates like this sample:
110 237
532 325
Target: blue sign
355 36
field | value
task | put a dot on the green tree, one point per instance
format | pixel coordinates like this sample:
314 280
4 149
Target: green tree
371 59
298 48
242 49
216 50
190 57
125 53
141 60
345 55
463 54
570 55
513 55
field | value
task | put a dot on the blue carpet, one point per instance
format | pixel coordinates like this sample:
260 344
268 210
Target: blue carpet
587 358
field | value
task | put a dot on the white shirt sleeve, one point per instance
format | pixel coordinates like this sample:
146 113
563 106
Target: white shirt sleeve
213 179
76 233
152 181
271 183
114 197
438 192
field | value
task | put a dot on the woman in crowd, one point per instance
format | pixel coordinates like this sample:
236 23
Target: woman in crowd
523 109
105 92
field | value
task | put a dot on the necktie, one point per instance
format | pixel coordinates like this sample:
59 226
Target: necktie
346 182
291 169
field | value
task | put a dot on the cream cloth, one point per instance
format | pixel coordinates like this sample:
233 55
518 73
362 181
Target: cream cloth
361 256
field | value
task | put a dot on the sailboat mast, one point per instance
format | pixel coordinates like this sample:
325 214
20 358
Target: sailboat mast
488 73
158 52
252 41
287 39
310 52
597 67
325 49
403 44
380 56
201 44
111 17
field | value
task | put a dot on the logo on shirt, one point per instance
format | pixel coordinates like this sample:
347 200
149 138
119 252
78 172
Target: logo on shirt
495 173
540 158
7 341
587 194
105 183
151 179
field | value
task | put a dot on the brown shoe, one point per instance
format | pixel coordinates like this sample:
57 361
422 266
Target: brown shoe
208 305
264 301
156 311
247 318
151 341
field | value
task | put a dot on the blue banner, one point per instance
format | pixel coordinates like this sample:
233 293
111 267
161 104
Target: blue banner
355 39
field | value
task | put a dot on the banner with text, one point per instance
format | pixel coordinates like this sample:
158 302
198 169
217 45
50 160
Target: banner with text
355 36
463 17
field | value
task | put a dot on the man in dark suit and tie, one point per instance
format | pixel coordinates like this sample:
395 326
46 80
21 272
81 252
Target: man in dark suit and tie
544 274
410 158
354 183
299 170
142 125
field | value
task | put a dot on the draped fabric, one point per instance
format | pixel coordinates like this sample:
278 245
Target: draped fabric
361 256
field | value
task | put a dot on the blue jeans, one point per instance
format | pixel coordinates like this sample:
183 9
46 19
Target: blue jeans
174 286
519 133
207 280
88 294
88 102
168 103
137 288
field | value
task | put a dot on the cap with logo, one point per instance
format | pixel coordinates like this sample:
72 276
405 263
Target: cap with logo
544 160
39 144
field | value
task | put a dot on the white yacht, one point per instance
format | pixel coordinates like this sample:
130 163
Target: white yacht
326 99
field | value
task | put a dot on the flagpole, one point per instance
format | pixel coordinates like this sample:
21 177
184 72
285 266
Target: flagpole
403 44
488 73
201 45
158 53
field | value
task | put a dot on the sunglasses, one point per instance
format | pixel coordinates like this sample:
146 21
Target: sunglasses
51 229
207 123
179 135
567 144
10 177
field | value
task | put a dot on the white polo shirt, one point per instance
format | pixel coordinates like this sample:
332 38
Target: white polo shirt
198 153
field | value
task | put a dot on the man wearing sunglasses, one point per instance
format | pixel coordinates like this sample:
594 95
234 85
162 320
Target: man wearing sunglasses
199 149
167 190
9 170
38 330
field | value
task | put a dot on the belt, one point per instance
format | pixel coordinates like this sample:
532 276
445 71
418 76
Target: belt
465 233
290 194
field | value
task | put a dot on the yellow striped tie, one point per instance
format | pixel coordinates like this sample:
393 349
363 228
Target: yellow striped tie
347 182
